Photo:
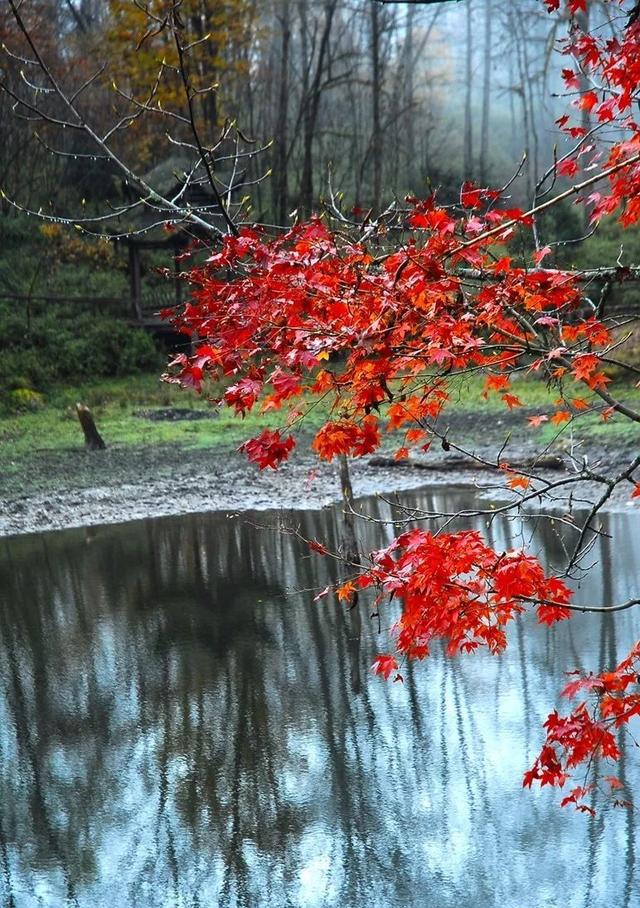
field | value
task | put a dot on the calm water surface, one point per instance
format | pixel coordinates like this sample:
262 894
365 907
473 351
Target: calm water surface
181 725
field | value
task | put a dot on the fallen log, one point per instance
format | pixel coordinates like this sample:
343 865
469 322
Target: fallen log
92 439
548 462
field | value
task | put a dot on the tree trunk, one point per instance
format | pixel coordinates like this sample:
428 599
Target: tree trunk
208 75
468 126
486 97
135 281
376 91
92 438
351 552
312 107
349 541
280 177
409 92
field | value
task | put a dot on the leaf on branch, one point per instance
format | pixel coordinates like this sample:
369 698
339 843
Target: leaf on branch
268 449
385 665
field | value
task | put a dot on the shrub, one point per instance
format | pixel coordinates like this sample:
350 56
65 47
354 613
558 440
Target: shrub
21 399
58 343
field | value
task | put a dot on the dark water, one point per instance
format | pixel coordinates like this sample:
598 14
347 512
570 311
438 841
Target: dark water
180 727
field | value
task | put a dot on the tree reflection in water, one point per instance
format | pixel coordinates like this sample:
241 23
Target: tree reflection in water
181 726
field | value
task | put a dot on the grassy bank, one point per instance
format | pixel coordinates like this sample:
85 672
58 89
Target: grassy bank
122 408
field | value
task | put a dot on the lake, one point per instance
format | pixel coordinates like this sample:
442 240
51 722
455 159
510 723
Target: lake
182 725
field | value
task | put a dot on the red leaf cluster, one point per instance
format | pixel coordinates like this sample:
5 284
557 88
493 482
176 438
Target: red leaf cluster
307 314
269 449
455 587
589 731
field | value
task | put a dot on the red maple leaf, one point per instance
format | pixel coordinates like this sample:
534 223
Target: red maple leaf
268 449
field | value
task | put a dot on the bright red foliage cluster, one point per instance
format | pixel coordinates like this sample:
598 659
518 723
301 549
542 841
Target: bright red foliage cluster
579 737
455 587
611 66
399 327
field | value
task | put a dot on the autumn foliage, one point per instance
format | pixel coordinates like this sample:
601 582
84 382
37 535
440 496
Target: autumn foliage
380 321
590 730
455 587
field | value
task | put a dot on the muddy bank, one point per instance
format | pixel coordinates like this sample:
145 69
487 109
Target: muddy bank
74 488
114 490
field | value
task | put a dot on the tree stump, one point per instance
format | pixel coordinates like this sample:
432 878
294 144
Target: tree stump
92 438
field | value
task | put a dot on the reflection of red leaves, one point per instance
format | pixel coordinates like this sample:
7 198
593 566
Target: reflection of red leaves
636 491
613 782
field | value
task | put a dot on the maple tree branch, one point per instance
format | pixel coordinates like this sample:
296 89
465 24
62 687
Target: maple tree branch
204 158
611 484
573 190
80 123
573 607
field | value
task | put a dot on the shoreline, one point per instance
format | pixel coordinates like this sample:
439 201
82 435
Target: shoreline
231 485
118 486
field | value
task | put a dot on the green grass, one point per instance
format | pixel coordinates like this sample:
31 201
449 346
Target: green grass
536 396
115 403
467 393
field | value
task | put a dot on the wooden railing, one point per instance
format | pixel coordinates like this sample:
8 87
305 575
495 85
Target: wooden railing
152 302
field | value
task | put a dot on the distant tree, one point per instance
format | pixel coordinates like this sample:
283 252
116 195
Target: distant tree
218 36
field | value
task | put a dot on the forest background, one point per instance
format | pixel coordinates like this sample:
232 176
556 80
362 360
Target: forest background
349 101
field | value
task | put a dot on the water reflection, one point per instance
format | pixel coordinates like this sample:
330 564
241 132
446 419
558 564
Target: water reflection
180 727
